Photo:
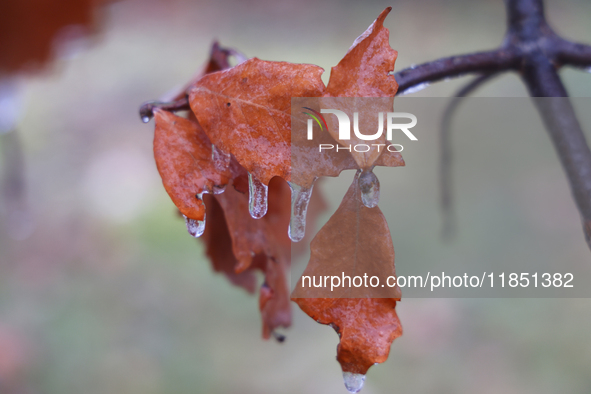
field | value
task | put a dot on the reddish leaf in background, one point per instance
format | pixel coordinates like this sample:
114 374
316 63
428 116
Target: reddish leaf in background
246 111
183 157
257 236
355 240
262 244
29 29
218 244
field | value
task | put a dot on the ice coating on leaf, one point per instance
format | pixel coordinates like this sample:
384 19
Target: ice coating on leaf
300 198
369 185
195 227
246 111
221 160
257 197
353 381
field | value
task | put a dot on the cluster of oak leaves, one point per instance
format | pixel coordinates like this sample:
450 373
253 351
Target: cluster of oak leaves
232 153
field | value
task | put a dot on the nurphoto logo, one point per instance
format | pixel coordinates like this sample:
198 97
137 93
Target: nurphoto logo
344 126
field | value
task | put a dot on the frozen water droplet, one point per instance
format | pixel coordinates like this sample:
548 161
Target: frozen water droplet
300 197
257 197
221 159
195 227
147 111
353 381
370 189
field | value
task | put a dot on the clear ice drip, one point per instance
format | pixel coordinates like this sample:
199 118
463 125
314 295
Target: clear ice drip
257 197
370 189
353 381
300 198
195 227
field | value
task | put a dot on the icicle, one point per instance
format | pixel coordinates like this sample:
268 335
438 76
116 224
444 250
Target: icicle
353 381
300 197
221 159
257 197
370 189
195 227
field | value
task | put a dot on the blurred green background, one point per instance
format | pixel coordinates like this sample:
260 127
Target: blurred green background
103 291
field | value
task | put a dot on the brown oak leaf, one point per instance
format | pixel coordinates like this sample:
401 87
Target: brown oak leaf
366 327
364 72
355 241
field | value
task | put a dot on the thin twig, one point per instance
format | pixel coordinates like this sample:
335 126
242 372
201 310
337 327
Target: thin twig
445 150
147 109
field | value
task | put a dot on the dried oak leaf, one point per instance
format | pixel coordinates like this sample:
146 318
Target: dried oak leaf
218 246
355 240
183 158
246 111
366 327
364 71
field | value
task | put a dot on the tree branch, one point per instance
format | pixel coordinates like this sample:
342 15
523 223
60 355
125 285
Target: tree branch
147 109
565 131
574 54
455 66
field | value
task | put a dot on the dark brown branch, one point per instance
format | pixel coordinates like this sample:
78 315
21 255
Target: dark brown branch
565 131
531 47
455 66
445 178
574 54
